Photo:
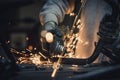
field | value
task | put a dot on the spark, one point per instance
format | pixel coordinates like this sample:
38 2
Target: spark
72 14
35 59
27 38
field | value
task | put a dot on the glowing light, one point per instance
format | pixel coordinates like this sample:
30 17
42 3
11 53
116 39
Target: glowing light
30 47
36 59
77 56
78 22
75 65
72 14
70 55
27 38
8 42
32 59
35 48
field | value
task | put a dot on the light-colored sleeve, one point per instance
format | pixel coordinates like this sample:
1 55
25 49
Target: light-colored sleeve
54 10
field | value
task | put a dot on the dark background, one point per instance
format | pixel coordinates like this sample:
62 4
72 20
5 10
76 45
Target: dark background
20 18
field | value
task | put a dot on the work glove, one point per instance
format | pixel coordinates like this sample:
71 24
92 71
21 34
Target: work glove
52 38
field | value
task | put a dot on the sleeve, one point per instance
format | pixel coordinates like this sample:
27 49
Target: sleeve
54 10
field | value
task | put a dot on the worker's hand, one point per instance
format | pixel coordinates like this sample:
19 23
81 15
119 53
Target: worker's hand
52 38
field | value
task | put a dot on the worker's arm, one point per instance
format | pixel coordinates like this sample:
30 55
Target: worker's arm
51 15
55 10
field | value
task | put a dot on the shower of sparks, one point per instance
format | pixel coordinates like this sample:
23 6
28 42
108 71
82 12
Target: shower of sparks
73 39
32 59
29 58
35 59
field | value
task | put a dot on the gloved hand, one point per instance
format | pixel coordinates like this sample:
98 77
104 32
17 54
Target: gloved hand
56 45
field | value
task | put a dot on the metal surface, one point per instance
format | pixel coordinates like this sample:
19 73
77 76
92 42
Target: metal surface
30 72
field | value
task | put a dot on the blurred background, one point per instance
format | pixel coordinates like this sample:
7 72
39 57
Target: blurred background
19 22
